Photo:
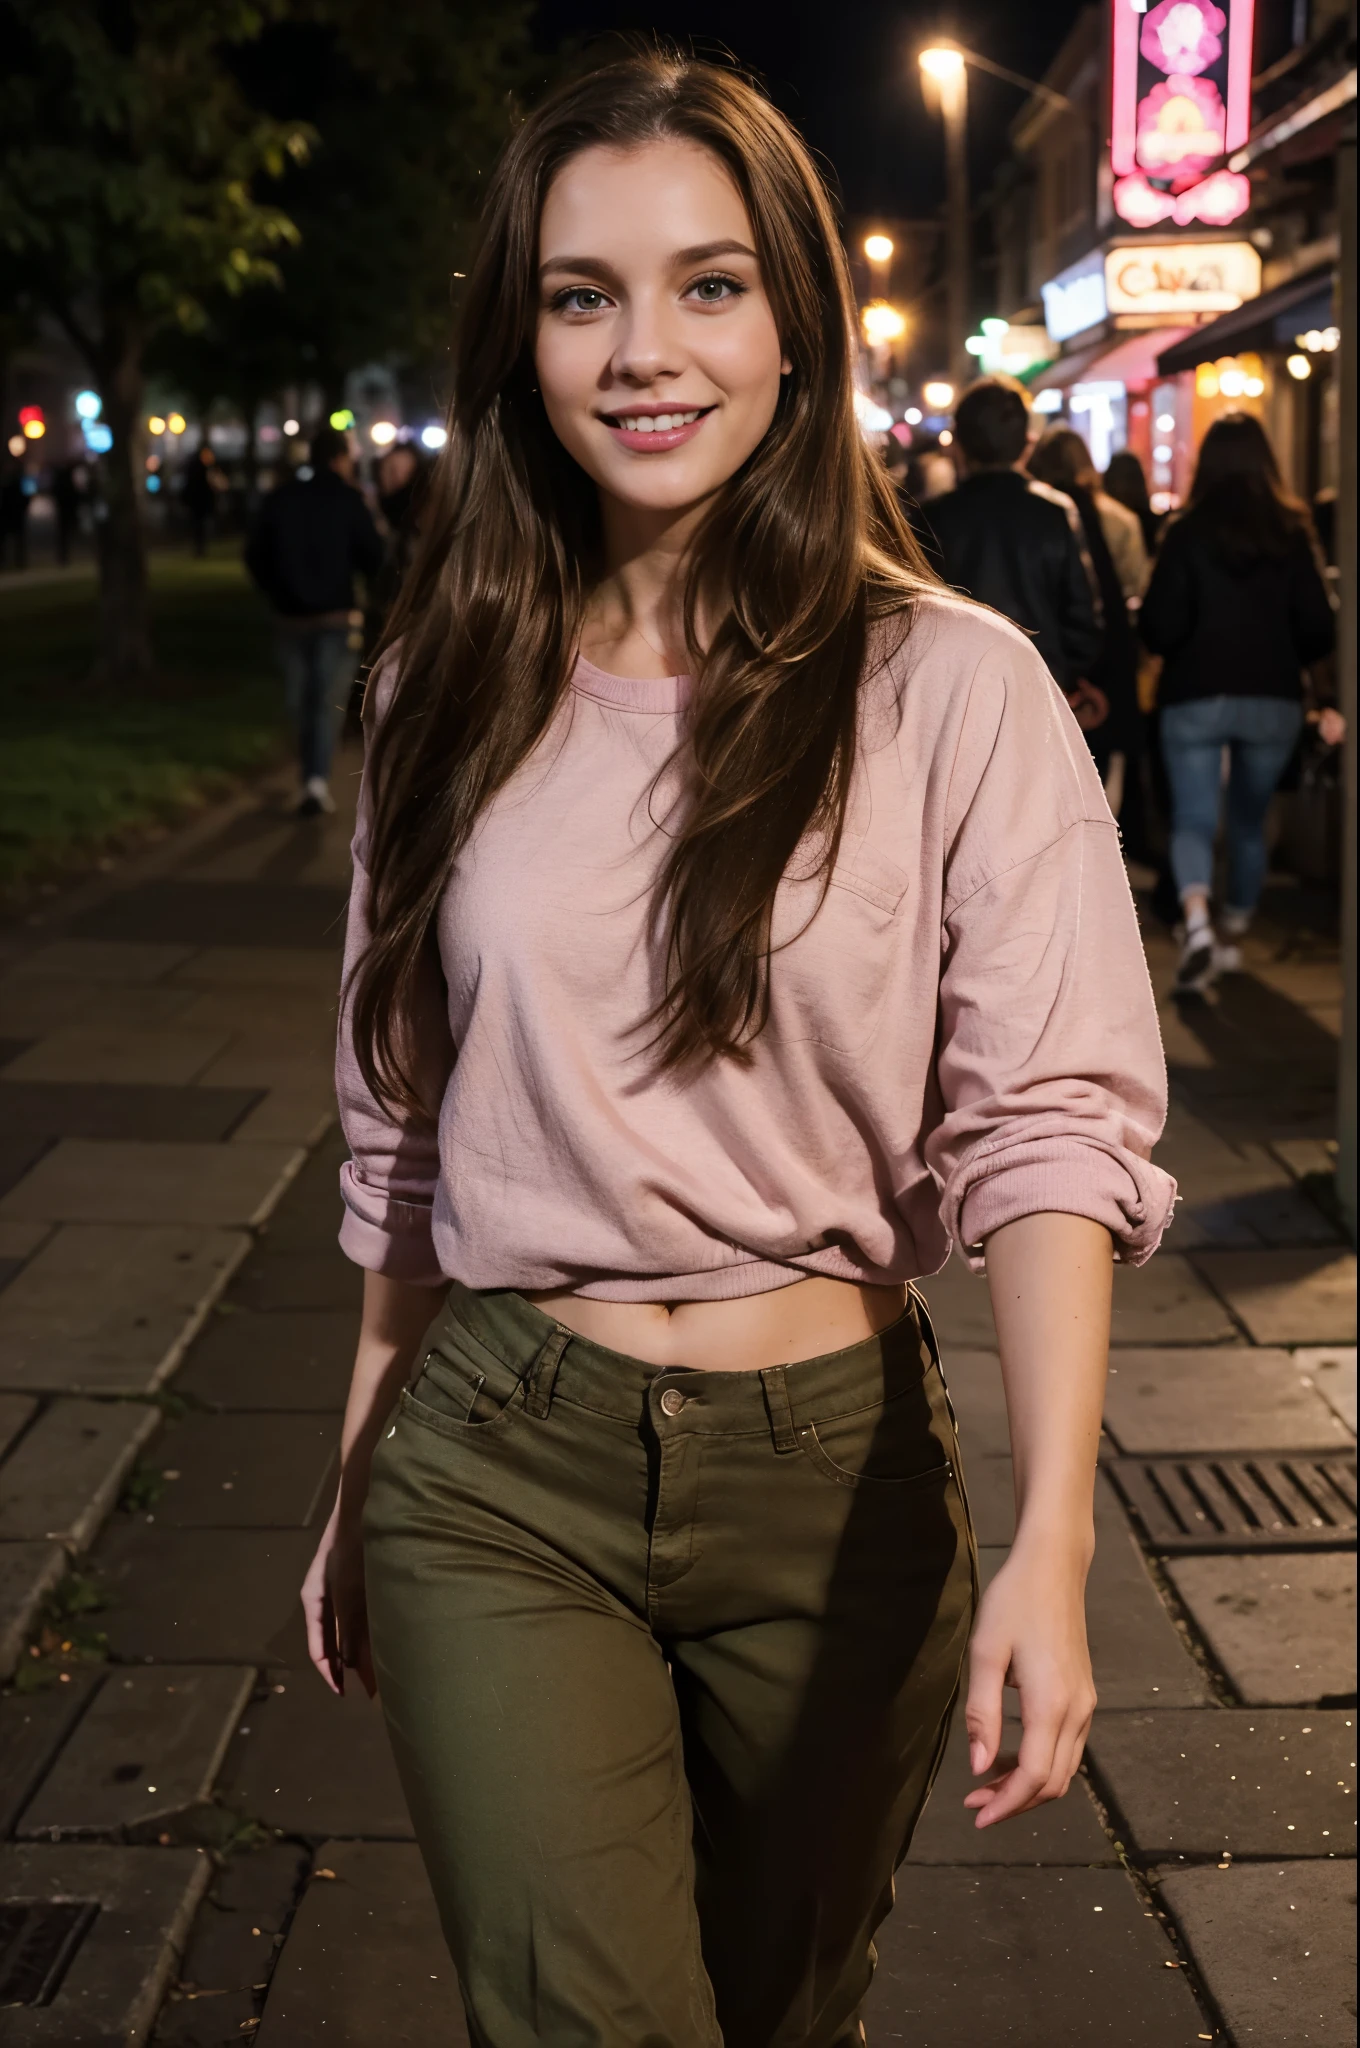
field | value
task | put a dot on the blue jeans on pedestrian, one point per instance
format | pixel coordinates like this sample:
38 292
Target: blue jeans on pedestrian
1260 734
319 665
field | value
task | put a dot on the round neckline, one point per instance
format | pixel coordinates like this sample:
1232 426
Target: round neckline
632 693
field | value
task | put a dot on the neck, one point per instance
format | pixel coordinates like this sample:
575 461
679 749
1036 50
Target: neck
635 616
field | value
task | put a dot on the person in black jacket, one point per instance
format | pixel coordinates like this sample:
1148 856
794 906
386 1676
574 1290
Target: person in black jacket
1237 608
1013 543
311 537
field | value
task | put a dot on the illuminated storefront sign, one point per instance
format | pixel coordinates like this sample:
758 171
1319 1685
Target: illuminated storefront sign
1075 299
1182 279
1181 97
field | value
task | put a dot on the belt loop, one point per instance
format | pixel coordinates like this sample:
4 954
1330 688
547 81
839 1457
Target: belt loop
775 1383
543 1373
924 1324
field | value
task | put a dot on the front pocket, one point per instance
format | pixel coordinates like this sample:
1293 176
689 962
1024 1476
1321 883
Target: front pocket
810 1444
464 1390
892 1442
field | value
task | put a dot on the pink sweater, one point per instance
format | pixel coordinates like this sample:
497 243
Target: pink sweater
964 1034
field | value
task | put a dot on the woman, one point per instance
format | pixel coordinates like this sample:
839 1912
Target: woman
1114 545
1237 608
1126 483
681 776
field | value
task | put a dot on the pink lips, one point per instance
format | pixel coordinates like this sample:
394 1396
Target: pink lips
657 440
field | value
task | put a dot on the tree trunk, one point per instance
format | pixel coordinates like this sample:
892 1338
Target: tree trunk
124 656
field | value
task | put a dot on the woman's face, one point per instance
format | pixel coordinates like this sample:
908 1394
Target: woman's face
657 354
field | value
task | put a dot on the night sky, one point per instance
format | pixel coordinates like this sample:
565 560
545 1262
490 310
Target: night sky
847 76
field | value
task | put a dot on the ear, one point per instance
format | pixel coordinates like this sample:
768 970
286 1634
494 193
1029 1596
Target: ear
785 366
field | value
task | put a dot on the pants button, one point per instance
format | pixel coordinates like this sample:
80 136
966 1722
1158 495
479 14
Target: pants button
672 1401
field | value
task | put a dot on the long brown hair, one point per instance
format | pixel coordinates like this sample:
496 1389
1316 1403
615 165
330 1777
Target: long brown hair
1238 499
806 543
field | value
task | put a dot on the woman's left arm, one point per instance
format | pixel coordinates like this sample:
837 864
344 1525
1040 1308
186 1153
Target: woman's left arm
1050 1278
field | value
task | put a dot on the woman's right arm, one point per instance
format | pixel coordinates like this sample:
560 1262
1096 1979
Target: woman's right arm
396 1315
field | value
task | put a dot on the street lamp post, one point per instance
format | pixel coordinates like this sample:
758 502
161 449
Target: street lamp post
944 74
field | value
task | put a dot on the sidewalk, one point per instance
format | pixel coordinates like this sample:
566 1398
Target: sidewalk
201 1846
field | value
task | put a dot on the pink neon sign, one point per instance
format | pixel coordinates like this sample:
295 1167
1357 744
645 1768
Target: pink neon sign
1181 99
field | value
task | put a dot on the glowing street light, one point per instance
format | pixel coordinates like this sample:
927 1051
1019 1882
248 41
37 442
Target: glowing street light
176 422
155 425
89 405
878 248
942 63
433 437
882 323
34 429
291 427
944 75
1298 366
938 394
382 433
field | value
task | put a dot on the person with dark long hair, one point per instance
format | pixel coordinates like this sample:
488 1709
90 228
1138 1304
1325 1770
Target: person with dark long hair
737 922
1237 608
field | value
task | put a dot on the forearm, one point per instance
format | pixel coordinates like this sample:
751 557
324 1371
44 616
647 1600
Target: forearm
1051 1279
396 1315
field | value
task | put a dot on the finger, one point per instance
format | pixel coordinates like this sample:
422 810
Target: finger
982 1715
321 1647
1034 1767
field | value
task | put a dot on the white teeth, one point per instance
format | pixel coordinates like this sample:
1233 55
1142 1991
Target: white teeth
657 423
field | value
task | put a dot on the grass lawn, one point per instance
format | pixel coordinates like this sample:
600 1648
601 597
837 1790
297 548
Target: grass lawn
81 766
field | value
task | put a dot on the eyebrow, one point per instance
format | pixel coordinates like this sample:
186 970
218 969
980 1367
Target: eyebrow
597 266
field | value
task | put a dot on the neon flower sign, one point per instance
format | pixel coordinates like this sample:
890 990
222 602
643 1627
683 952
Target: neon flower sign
1181 99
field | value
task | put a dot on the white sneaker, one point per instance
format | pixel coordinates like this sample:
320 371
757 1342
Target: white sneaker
1195 968
316 799
1227 959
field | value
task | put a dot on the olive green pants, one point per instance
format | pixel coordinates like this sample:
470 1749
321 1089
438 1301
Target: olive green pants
668 1660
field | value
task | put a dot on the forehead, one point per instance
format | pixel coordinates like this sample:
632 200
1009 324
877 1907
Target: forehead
647 201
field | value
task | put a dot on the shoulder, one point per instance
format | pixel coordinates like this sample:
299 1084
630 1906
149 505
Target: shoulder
1056 504
951 660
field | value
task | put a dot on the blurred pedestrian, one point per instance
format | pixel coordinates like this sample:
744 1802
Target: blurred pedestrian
200 492
311 537
1237 608
1061 458
1012 542
68 495
1126 483
14 504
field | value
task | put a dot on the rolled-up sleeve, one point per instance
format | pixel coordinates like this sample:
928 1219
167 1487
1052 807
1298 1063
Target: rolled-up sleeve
1049 1060
390 1180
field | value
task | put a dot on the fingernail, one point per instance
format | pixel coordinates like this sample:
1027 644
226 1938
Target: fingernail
977 1757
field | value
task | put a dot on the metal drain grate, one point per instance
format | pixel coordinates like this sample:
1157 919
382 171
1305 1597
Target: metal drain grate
38 1940
1206 1504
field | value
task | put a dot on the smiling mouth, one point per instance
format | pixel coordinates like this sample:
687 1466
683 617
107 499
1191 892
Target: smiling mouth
655 422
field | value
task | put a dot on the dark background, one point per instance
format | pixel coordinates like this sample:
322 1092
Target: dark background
847 75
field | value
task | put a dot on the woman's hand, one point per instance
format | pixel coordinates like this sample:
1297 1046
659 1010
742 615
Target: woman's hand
336 1608
1030 1633
397 1313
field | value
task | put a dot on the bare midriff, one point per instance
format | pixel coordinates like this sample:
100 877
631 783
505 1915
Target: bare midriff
804 1320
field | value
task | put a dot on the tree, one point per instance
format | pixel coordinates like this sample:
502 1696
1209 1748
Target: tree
130 159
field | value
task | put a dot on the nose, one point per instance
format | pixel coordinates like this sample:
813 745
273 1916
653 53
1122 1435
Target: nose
647 349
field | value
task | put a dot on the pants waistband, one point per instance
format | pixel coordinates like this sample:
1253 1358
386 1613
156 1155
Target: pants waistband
555 1363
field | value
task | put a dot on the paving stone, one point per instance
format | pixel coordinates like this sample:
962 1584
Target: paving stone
235 1938
1065 1831
81 1109
1027 1958
16 1412
1306 1156
118 1975
1216 1399
365 1961
298 1359
84 1182
106 1308
262 1060
960 1305
10 1049
1331 1369
237 967
298 1021
1166 1302
202 1596
315 1765
1233 1194
99 1052
9 1270
19 1241
979 1398
289 1116
30 1009
1251 1781
221 914
271 1279
1282 1627
66 1475
19 1154
1275 1945
149 1748
247 1471
33 1727
1287 1297
991 1498
100 960
28 1572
